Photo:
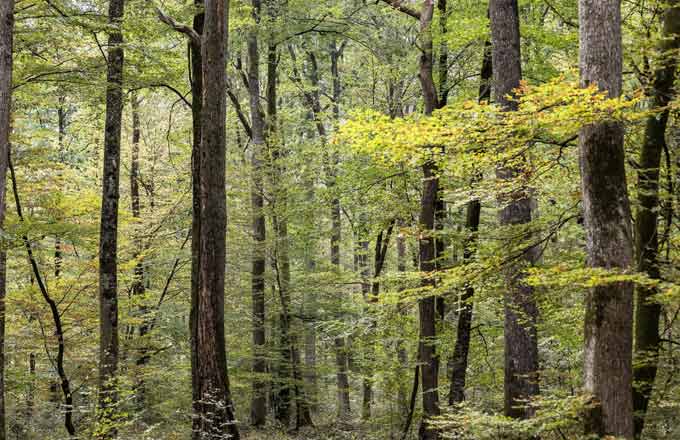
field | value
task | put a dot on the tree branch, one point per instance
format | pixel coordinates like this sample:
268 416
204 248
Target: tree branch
397 4
186 30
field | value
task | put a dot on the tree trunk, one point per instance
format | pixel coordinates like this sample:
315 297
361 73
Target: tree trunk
427 307
258 409
6 47
54 310
402 354
108 238
606 212
138 287
647 313
213 409
521 313
473 209
196 114
341 349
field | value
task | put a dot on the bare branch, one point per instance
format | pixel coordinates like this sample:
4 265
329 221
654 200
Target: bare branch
397 4
186 30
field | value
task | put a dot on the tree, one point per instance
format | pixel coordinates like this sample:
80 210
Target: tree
459 363
606 212
258 411
521 313
6 65
647 312
108 235
427 307
213 409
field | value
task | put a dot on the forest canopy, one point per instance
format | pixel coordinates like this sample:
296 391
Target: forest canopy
339 219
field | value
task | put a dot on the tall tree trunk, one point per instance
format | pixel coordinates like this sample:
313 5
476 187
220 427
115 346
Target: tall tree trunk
196 71
213 409
427 307
108 235
341 349
138 287
258 409
310 318
473 209
647 312
521 313
6 48
606 212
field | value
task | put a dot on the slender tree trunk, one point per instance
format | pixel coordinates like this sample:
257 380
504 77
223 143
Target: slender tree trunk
310 306
473 209
282 409
213 409
427 307
196 114
108 238
258 409
402 354
521 312
341 349
61 123
138 286
6 48
362 266
606 212
54 310
647 312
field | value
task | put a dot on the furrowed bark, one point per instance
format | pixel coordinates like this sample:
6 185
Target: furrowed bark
609 245
213 409
647 312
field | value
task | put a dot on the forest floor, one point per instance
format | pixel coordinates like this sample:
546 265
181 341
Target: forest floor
321 432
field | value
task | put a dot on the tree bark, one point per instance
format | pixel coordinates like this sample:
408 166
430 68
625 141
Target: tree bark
196 65
138 287
341 349
6 64
258 409
108 238
473 209
213 409
427 307
647 312
606 212
402 354
521 313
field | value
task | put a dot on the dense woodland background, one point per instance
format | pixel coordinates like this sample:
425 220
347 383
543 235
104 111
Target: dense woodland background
443 219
